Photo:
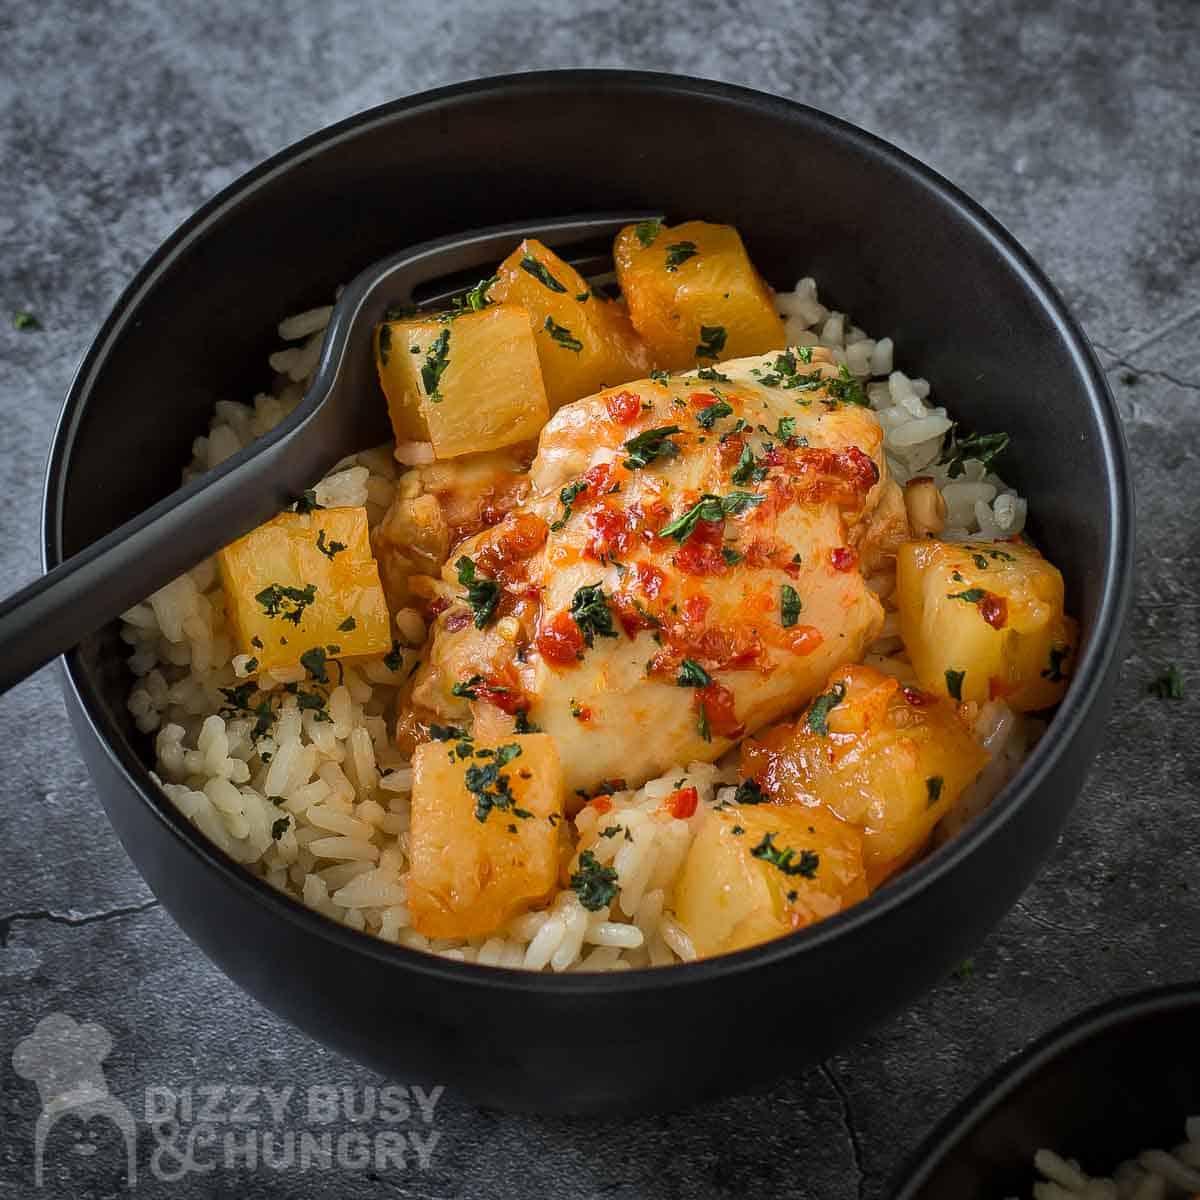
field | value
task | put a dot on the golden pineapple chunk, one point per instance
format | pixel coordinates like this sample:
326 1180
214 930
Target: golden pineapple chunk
484 843
890 762
585 342
694 294
984 620
304 581
756 873
465 382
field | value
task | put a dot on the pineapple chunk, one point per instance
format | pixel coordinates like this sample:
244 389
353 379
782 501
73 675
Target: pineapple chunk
585 342
694 294
984 620
887 761
740 885
304 581
467 382
484 843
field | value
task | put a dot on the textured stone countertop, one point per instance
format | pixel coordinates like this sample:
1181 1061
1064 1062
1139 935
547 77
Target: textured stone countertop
1076 124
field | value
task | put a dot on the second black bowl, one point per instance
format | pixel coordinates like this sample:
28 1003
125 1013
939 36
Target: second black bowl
889 241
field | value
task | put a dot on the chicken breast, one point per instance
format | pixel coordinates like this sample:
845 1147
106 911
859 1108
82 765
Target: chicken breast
686 569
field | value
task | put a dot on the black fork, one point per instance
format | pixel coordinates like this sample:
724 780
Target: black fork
341 414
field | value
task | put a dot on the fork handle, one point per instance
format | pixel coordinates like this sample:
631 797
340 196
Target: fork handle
111 575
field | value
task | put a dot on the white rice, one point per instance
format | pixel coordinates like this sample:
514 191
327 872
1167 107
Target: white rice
1151 1175
321 809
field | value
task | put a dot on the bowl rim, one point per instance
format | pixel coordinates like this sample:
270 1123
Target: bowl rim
1014 1073
1085 690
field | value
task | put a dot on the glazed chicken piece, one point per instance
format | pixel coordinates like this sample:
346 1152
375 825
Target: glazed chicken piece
686 569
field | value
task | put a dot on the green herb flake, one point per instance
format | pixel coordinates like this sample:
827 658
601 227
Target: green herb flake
702 726
1059 655
465 688
611 831
749 792
731 556
647 231
748 469
489 786
708 417
25 321
692 674
593 883
786 429
678 253
393 658
660 377
280 827
562 335
650 445
313 661
712 341
964 970
329 549
238 698
482 594
446 733
590 612
539 271
307 503
787 860
279 600
983 447
969 596
348 625
845 389
476 300
710 508
789 606
437 358
711 374
250 666
522 723
1168 686
567 497
818 714
933 790
954 682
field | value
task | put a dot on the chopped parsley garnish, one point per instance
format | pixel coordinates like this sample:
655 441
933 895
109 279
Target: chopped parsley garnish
250 666
749 792
347 625
1168 686
611 831
490 787
26 321
307 503
256 642
399 312
738 830
702 726
280 827
540 273
789 606
523 724
786 429
466 687
712 341
476 300
289 603
748 469
731 556
845 389
647 231
577 709
482 594
710 508
818 715
393 657
567 497
662 377
590 611
329 549
446 733
783 371
969 596
651 444
692 674
436 359
954 682
964 970
1059 654
980 561
983 447
787 860
678 253
314 703
238 697
712 374
708 417
933 790
593 883
313 661
562 335
264 717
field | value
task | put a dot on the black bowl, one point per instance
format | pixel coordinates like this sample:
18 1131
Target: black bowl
1114 1081
889 240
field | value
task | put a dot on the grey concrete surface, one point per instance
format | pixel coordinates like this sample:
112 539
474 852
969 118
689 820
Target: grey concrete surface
1077 124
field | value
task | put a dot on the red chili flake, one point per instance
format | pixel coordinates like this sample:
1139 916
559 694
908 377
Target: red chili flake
649 579
803 639
682 802
560 642
918 698
701 399
438 605
623 407
843 558
517 537
695 609
581 712
611 534
504 698
601 804
994 610
456 621
717 702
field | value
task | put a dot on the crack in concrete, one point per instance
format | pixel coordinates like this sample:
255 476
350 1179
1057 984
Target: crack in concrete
1124 361
848 1124
69 918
